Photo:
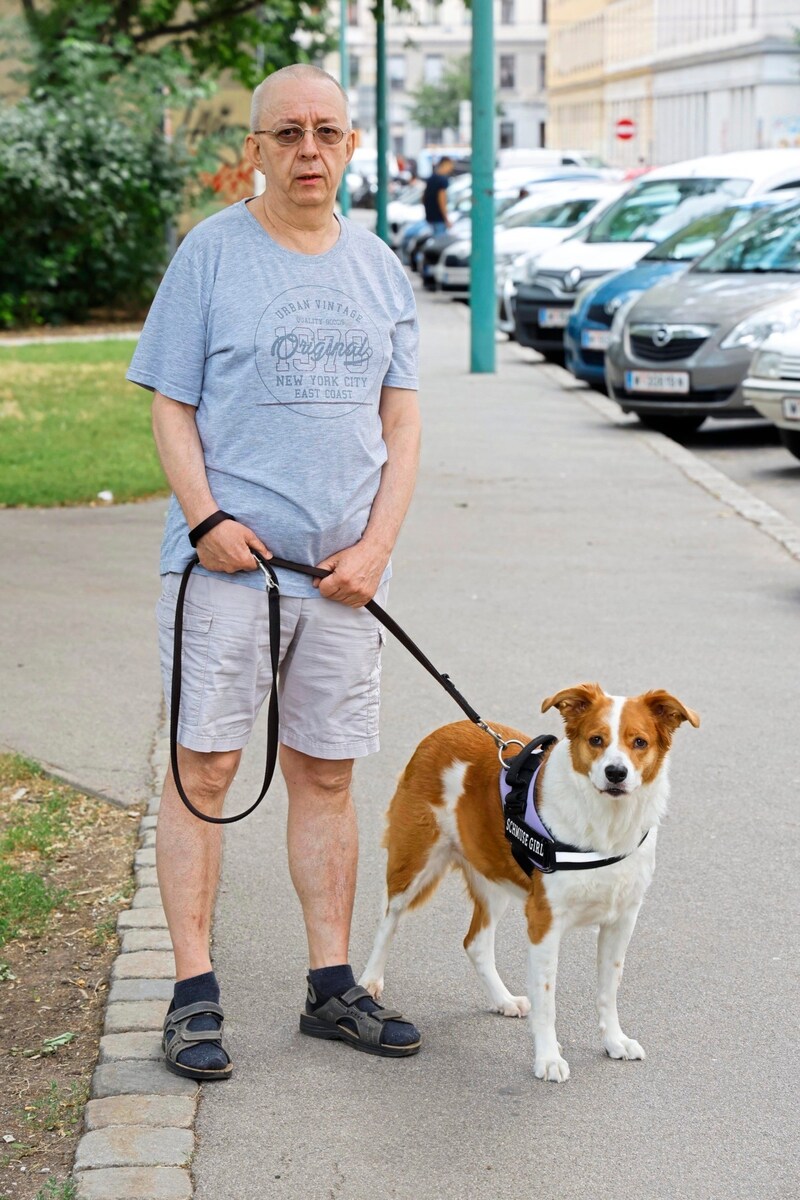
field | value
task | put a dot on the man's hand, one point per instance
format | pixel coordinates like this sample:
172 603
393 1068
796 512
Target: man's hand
226 548
356 575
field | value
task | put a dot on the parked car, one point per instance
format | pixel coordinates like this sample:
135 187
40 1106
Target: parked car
533 224
651 210
680 352
405 209
510 186
773 385
588 330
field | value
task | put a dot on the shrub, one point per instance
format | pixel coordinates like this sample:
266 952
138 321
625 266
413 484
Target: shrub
88 184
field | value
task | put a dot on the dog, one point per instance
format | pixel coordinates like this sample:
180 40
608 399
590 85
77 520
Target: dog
602 788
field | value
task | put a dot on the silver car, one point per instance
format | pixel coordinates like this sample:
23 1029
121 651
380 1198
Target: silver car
773 385
680 352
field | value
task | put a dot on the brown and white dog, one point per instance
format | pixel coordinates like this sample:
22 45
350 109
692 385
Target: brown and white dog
602 788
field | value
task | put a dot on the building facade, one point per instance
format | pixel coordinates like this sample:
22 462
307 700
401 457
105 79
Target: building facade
421 42
695 76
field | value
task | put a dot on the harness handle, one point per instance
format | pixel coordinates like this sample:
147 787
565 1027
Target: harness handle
268 566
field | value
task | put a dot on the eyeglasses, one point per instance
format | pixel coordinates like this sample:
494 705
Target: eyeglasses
292 135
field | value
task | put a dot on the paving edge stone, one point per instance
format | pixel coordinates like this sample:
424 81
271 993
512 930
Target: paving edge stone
134 1183
139 1125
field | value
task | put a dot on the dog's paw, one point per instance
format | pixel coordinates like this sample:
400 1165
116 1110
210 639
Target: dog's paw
623 1047
514 1006
373 986
553 1069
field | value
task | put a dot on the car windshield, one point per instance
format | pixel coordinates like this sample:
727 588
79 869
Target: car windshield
551 216
771 243
635 214
700 236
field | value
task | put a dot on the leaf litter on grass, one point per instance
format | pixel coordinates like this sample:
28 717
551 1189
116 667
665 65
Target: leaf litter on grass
66 860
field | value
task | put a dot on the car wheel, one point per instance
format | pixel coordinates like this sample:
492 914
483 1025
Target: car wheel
674 427
791 440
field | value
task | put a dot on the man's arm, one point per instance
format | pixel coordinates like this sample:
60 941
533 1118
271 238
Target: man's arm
443 206
227 546
357 570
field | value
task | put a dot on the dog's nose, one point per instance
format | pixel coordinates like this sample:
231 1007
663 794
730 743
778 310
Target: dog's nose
616 774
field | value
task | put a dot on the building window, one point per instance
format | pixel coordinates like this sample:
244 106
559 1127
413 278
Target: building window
508 64
542 72
396 71
352 12
434 66
433 137
544 12
506 12
542 133
506 134
355 70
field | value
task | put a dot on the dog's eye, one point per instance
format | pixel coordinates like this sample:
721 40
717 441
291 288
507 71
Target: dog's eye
596 740
639 744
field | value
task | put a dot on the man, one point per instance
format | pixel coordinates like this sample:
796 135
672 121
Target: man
434 197
282 353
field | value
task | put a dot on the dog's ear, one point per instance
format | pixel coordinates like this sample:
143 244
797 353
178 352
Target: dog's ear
573 701
669 711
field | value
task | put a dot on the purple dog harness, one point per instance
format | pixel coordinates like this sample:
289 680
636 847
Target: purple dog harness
533 845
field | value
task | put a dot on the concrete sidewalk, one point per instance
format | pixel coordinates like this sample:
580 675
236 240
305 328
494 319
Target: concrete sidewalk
545 546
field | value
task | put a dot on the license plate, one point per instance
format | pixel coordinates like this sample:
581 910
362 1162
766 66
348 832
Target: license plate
595 339
668 382
791 408
553 318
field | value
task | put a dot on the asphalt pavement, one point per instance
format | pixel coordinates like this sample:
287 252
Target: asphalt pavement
545 546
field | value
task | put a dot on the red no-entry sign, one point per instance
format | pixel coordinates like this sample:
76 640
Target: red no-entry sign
625 129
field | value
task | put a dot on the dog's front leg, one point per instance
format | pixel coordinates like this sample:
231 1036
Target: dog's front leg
612 942
542 968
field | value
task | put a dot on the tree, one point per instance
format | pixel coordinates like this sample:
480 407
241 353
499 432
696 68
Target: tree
202 38
436 105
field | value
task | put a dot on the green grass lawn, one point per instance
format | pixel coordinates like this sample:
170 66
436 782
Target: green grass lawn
71 426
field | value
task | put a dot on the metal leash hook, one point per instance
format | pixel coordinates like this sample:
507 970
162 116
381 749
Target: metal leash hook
499 742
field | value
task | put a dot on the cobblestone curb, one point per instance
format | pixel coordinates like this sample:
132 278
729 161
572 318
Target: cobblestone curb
139 1123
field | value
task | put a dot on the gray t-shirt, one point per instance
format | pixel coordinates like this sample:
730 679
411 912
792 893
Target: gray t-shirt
284 356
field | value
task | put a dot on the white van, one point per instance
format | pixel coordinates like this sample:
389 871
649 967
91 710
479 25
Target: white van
655 206
519 156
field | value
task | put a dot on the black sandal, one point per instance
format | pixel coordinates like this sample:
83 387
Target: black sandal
338 1019
176 1023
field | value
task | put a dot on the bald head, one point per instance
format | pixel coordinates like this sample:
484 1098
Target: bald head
271 87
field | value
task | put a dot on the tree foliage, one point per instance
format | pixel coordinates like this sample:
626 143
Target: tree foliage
436 105
88 183
203 38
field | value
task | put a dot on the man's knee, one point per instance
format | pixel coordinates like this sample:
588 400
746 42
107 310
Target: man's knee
206 777
331 777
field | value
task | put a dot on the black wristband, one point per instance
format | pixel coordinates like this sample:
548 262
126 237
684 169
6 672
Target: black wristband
206 526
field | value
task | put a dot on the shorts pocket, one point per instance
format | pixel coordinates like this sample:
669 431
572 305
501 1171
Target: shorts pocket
197 623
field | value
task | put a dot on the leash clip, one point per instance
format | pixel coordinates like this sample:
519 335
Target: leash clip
269 579
501 744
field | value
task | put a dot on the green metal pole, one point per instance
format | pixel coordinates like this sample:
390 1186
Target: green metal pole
344 79
481 287
382 198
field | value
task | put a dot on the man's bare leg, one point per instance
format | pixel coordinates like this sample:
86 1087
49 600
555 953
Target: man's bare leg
188 854
322 837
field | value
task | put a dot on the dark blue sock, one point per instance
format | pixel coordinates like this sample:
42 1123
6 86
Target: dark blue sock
204 1056
335 981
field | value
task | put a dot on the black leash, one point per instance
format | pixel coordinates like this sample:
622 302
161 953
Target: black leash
274 617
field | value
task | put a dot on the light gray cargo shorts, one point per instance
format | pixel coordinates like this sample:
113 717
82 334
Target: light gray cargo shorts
329 678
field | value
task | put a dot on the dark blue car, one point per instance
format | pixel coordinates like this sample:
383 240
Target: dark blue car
588 329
